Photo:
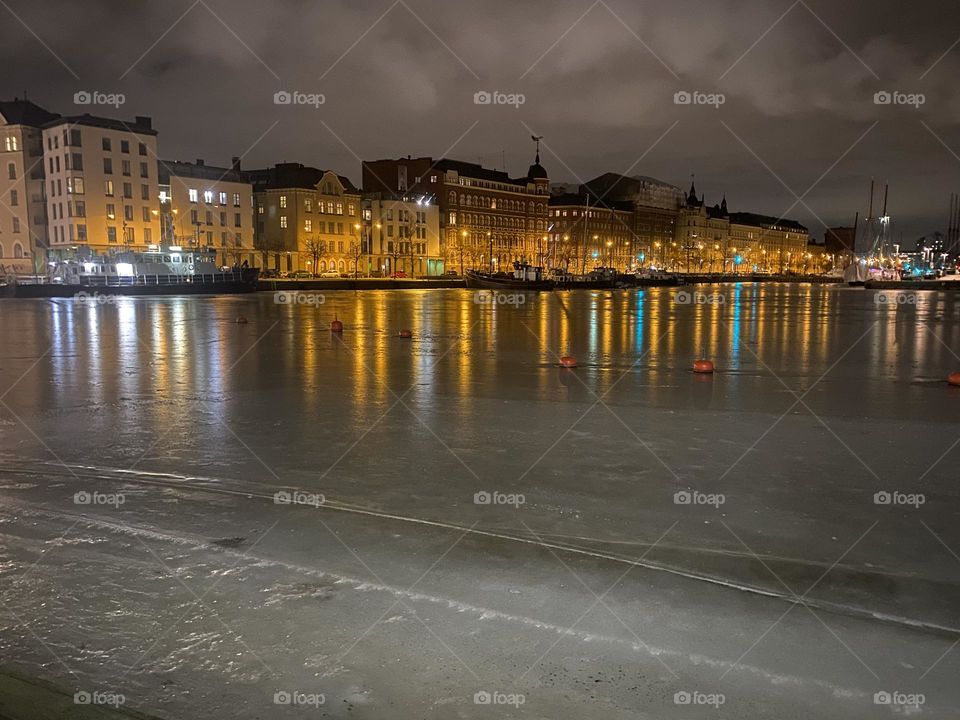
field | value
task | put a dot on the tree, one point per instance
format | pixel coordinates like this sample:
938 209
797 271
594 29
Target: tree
316 249
356 249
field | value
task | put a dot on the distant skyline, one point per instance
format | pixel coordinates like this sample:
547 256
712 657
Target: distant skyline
788 102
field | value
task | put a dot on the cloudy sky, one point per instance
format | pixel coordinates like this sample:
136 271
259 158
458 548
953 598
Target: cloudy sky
783 115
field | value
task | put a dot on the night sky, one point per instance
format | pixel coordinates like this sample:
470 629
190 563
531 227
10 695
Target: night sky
598 80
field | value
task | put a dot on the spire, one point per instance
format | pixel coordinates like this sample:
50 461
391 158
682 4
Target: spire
723 204
537 171
692 195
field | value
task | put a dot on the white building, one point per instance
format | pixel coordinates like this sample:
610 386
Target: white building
206 206
401 234
102 185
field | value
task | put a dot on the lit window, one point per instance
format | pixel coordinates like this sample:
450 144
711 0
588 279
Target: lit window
283 201
308 225
192 195
208 196
283 221
223 198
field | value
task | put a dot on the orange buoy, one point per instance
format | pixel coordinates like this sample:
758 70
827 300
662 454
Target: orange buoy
405 334
568 362
241 320
702 366
954 378
336 326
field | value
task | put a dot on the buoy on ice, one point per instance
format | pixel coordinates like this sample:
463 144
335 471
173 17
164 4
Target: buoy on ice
954 378
241 320
405 334
336 326
703 366
568 362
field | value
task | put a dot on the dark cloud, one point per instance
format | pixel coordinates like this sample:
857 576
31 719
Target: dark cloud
598 79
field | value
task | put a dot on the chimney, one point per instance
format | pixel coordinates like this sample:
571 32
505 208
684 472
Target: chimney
200 161
235 163
144 121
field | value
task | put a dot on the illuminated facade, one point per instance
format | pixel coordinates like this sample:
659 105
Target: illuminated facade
488 220
206 206
23 209
306 219
401 234
585 232
102 185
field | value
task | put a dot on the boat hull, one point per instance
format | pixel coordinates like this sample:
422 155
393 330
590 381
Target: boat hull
245 284
493 282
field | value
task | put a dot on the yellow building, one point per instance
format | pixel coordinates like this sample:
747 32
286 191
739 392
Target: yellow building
206 206
102 185
23 211
306 219
401 234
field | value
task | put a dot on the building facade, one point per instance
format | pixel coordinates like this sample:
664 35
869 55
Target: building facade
488 220
206 206
586 232
102 185
23 206
306 219
401 235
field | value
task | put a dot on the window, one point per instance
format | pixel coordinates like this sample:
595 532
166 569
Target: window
259 209
111 234
351 210
77 161
148 235
144 192
192 194
106 144
16 224
127 190
208 197
194 217
12 171
146 214
223 198
128 235
14 200
236 199
307 203
144 170
283 221
11 143
143 149
82 233
80 208
283 201
128 213
339 208
125 146
108 188
108 166
209 217
236 219
308 225
223 218
111 211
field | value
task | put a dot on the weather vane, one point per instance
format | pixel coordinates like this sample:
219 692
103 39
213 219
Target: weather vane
537 139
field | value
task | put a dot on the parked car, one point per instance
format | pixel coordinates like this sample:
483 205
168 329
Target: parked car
301 274
451 273
330 274
269 273
398 274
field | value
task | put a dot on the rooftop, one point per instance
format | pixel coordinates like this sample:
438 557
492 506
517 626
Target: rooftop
141 125
24 112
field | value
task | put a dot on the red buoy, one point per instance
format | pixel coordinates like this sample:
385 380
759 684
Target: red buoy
702 366
241 320
568 362
405 334
336 326
954 378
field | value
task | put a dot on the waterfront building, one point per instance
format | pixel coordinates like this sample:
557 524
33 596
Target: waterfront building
23 210
401 233
207 206
102 184
586 232
306 219
488 220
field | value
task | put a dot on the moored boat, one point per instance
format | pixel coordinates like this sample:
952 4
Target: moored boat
524 277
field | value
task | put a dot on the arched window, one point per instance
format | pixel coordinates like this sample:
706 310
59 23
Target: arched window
17 250
453 198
